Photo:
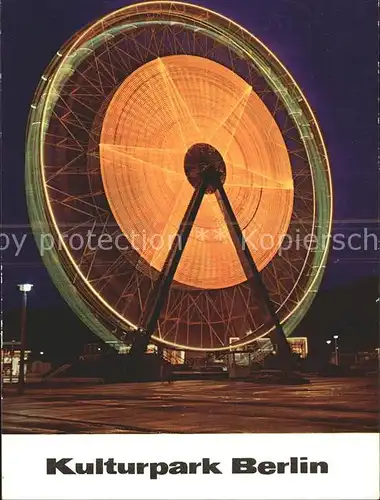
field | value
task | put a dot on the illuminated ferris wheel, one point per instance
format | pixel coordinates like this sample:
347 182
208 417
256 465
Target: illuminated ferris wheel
182 177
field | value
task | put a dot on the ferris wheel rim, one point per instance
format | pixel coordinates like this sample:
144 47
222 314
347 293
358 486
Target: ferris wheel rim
322 259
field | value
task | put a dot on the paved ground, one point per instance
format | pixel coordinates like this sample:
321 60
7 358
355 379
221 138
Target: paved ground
325 405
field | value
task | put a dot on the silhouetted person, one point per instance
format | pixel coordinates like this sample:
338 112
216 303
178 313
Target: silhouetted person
167 373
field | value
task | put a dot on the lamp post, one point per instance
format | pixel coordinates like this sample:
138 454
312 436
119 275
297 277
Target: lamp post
12 358
336 349
328 342
24 289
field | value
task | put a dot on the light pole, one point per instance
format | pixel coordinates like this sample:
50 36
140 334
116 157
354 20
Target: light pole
12 358
24 289
336 349
328 342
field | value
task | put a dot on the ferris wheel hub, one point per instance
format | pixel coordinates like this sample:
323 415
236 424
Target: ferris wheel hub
203 162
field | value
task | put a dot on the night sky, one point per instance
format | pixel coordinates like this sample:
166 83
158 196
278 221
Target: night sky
329 46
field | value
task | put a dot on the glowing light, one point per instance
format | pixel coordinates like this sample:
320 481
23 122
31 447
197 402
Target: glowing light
157 114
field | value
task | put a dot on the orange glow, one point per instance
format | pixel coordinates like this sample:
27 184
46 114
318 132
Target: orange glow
157 114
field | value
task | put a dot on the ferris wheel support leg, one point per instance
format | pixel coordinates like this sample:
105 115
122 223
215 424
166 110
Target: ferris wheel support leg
277 337
159 294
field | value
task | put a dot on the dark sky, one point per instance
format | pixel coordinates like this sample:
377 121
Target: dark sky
329 46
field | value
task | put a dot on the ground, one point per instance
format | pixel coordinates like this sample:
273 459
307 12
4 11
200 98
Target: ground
324 405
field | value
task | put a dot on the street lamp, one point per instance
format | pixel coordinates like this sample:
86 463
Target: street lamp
24 289
336 349
328 342
12 358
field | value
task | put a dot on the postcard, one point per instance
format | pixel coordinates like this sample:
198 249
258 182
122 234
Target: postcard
190 295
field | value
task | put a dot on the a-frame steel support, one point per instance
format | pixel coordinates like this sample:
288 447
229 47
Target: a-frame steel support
159 294
277 335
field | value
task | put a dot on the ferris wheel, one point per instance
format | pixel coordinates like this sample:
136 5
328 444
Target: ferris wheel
181 178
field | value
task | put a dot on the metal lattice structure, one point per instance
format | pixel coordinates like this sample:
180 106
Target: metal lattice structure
115 114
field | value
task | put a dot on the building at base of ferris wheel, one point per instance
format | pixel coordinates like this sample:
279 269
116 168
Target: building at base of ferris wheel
299 346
